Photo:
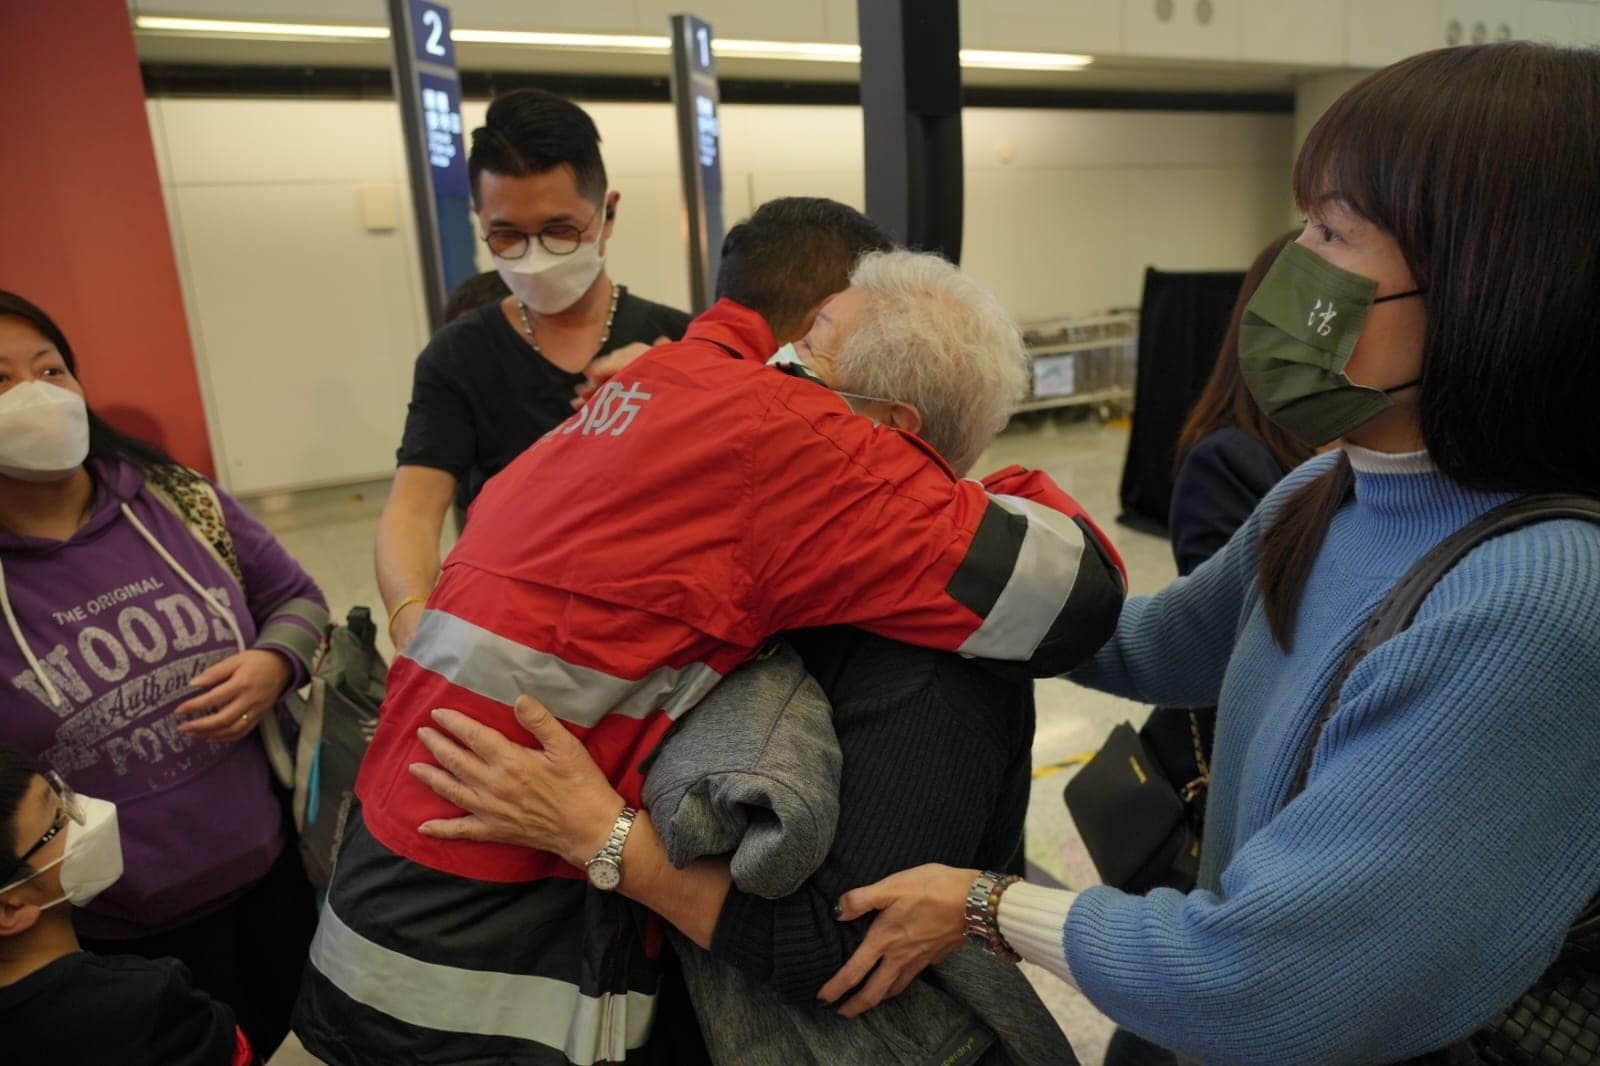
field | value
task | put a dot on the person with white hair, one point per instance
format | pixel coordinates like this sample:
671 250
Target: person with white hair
936 747
913 327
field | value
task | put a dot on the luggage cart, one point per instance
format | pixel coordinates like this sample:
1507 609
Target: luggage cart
1087 361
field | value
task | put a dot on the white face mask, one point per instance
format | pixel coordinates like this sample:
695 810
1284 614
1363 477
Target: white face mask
91 859
789 360
550 283
44 432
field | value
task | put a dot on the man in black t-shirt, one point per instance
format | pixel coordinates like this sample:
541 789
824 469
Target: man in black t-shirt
497 379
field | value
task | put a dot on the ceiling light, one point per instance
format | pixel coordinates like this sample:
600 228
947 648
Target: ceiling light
238 28
589 42
732 48
638 44
992 60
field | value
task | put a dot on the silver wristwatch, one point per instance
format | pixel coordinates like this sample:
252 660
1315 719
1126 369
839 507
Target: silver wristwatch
976 911
605 869
982 915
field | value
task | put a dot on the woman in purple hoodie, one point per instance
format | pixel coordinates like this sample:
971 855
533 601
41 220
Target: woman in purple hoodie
149 625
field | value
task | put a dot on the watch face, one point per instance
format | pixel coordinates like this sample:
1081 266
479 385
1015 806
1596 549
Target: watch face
604 874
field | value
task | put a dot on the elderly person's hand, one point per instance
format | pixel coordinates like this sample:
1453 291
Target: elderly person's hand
921 919
552 797
240 691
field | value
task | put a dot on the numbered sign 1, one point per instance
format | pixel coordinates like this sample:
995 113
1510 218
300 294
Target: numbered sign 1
702 48
430 34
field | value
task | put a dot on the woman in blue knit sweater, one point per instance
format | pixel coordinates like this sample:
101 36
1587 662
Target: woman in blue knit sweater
1449 830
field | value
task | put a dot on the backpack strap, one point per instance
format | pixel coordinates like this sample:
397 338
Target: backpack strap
191 497
1399 608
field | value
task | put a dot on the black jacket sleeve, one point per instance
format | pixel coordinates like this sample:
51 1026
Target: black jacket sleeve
1219 484
922 772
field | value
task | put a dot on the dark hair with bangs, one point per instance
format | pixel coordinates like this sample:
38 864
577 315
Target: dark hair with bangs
1483 162
530 131
1225 402
104 442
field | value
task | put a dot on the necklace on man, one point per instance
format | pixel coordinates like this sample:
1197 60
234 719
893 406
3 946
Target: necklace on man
527 323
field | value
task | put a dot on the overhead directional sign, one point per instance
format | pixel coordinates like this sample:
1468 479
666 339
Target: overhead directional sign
695 102
429 91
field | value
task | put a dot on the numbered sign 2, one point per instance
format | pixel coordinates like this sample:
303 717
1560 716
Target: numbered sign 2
430 34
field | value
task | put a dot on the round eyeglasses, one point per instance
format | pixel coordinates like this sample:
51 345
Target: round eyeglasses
559 239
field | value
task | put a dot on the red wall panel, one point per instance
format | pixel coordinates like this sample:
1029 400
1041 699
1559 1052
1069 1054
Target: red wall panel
83 229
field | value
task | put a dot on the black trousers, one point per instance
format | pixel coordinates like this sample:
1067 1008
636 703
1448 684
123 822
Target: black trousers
249 954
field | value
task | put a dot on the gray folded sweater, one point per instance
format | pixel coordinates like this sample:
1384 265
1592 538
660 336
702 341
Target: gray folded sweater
753 769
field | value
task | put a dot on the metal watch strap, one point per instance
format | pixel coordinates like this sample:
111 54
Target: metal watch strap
611 851
977 908
981 920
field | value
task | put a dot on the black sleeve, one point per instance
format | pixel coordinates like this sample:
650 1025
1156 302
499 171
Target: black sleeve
189 1027
673 324
921 771
439 429
1218 486
94 1009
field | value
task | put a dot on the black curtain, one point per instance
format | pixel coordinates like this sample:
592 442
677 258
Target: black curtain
1181 323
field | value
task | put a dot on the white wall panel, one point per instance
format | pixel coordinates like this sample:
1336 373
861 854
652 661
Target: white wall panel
619 16
648 250
1182 34
1483 21
1561 21
1258 140
842 185
791 138
1052 140
1309 32
1203 219
842 20
1092 26
792 20
1051 240
1378 32
307 325
270 142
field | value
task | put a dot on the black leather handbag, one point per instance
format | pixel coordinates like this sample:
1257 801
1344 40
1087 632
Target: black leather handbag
1557 1020
1141 830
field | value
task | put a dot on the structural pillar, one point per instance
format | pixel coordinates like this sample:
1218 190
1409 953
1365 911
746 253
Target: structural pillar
911 110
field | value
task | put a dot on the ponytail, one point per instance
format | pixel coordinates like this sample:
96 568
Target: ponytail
1289 546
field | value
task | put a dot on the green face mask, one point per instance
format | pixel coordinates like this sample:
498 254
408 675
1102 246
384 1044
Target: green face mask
1295 341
